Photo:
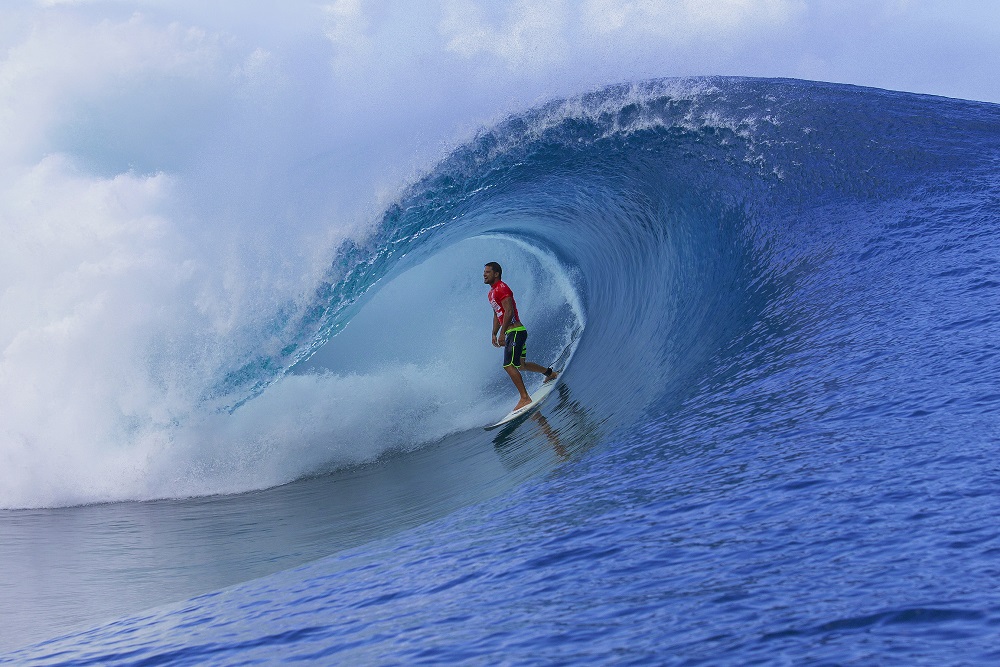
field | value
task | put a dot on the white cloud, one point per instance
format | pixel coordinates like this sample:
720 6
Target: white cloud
687 18
65 59
528 31
347 21
556 30
346 27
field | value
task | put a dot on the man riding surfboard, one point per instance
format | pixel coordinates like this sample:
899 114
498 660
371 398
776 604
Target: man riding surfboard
510 333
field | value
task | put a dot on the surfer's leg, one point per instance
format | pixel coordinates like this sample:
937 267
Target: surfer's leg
515 377
549 374
532 366
513 355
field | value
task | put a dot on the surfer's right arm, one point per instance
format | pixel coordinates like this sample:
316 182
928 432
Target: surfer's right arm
496 328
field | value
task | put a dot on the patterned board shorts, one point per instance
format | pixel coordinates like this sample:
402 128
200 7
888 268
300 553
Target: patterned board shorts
515 348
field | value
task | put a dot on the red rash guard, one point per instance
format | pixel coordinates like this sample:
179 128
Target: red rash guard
497 294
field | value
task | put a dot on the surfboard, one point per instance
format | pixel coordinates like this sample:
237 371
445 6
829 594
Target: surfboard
540 394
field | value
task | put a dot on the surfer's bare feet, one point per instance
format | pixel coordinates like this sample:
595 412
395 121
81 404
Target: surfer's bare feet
552 376
523 403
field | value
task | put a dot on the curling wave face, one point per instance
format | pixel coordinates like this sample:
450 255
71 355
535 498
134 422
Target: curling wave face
655 224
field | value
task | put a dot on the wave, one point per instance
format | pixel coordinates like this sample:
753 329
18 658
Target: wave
644 227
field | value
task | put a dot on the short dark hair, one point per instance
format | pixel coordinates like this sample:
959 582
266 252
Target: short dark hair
497 269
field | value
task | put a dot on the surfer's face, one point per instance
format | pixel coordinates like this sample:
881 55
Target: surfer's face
489 276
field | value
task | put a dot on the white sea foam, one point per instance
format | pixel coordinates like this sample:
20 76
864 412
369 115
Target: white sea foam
171 180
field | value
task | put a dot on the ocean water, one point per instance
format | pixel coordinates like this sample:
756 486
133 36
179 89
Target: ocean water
777 306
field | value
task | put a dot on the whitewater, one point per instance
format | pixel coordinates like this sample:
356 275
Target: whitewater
244 387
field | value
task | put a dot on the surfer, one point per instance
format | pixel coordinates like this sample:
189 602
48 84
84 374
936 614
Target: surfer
510 334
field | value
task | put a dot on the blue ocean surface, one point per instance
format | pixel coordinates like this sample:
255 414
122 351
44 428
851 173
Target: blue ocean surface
777 307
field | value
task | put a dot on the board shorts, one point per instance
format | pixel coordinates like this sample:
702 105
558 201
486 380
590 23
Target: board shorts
514 349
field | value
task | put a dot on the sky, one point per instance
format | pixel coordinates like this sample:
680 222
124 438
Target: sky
474 61
428 73
174 173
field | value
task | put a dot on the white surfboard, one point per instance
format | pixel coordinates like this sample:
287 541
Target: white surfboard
540 394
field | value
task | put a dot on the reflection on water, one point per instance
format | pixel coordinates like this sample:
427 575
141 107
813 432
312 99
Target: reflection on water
568 430
70 568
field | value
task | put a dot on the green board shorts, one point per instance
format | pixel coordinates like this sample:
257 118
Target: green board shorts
514 349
